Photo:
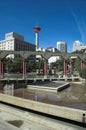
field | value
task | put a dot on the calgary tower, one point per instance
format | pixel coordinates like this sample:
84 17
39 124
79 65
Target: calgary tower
37 29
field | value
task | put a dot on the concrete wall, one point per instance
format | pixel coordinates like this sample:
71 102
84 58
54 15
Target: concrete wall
68 113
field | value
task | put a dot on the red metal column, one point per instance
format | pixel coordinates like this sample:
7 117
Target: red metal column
71 67
65 68
45 68
0 68
85 64
81 64
24 69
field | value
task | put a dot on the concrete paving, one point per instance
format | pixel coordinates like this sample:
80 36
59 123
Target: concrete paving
13 118
5 126
11 121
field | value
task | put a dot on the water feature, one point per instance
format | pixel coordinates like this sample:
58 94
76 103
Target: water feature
73 96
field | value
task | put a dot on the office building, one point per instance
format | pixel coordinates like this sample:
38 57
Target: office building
77 46
62 46
15 42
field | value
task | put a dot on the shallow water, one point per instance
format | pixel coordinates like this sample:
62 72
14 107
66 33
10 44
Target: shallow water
74 96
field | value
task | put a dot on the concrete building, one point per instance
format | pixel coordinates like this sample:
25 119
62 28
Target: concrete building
52 58
77 45
49 49
52 49
62 46
15 42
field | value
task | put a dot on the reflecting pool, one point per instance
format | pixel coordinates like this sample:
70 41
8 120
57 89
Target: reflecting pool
73 96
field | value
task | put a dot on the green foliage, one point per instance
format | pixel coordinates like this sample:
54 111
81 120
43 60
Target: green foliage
8 65
31 65
17 65
83 73
40 64
13 65
77 65
58 65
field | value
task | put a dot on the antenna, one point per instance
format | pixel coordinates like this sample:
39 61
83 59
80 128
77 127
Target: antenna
37 22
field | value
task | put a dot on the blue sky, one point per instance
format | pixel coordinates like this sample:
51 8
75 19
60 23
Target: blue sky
60 20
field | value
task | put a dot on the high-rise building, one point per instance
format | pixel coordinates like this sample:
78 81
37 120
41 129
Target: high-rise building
77 45
62 46
15 42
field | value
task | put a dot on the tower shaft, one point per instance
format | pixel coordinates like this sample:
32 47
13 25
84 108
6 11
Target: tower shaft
37 41
37 30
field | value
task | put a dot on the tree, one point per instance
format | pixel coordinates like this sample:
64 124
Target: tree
8 65
17 65
83 73
40 64
77 64
31 66
58 65
13 65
